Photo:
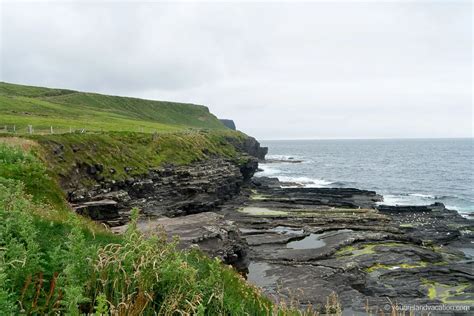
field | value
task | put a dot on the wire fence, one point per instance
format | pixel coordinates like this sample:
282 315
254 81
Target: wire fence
50 130
42 130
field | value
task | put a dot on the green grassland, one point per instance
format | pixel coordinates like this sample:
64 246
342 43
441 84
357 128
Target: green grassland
135 152
53 261
42 108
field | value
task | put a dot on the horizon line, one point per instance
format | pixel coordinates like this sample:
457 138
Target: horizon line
368 138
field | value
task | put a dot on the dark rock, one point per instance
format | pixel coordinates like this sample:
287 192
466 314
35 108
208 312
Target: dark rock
411 208
99 168
209 231
172 190
98 210
228 123
308 242
250 146
92 170
289 160
248 168
315 241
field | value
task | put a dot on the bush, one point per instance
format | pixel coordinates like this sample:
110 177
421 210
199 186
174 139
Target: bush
52 265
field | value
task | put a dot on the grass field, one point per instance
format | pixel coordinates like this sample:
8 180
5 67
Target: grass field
67 110
53 261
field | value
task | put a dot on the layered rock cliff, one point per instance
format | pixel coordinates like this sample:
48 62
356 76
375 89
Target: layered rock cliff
166 191
186 176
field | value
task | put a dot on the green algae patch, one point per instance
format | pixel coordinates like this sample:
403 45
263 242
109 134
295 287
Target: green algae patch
408 225
365 249
448 294
259 197
262 211
379 266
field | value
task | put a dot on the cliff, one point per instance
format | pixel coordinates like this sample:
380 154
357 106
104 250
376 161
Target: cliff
104 175
228 123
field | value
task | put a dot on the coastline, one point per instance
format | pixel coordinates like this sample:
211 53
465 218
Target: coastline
404 171
266 169
318 241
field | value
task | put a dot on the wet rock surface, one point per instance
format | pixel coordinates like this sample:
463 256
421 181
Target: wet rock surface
300 243
208 231
306 243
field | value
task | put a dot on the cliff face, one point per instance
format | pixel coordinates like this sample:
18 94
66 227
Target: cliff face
250 146
228 123
104 176
169 191
177 180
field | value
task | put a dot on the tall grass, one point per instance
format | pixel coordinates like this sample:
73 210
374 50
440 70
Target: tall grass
54 264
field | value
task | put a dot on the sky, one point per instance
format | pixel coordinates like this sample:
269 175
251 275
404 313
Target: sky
280 70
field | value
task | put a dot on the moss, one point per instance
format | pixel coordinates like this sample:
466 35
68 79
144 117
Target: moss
261 211
407 225
364 249
379 266
448 294
259 197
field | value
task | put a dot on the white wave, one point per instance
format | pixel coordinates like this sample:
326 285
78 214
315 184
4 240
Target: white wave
403 199
424 196
267 171
464 212
305 181
284 157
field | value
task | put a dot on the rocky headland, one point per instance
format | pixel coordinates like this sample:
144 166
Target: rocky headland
298 244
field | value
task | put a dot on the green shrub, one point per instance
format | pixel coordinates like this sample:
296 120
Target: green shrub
22 165
52 265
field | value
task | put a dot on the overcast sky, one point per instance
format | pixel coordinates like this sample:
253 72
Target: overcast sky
347 69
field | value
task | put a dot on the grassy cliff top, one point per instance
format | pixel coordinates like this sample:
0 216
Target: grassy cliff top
62 109
53 261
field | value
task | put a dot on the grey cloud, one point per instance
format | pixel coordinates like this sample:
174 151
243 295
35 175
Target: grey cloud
280 70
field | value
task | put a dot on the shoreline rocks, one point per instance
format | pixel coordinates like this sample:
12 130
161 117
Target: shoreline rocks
309 241
318 241
169 191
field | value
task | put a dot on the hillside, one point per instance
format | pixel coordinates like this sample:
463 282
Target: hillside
53 260
42 108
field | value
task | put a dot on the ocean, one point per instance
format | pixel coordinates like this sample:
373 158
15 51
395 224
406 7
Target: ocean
405 172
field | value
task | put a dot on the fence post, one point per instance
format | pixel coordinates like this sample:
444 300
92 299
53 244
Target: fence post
14 129
70 130
52 131
30 129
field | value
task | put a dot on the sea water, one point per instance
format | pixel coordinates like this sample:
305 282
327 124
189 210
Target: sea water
405 172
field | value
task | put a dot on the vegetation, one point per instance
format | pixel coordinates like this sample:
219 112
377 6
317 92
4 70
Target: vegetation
67 110
125 154
54 261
